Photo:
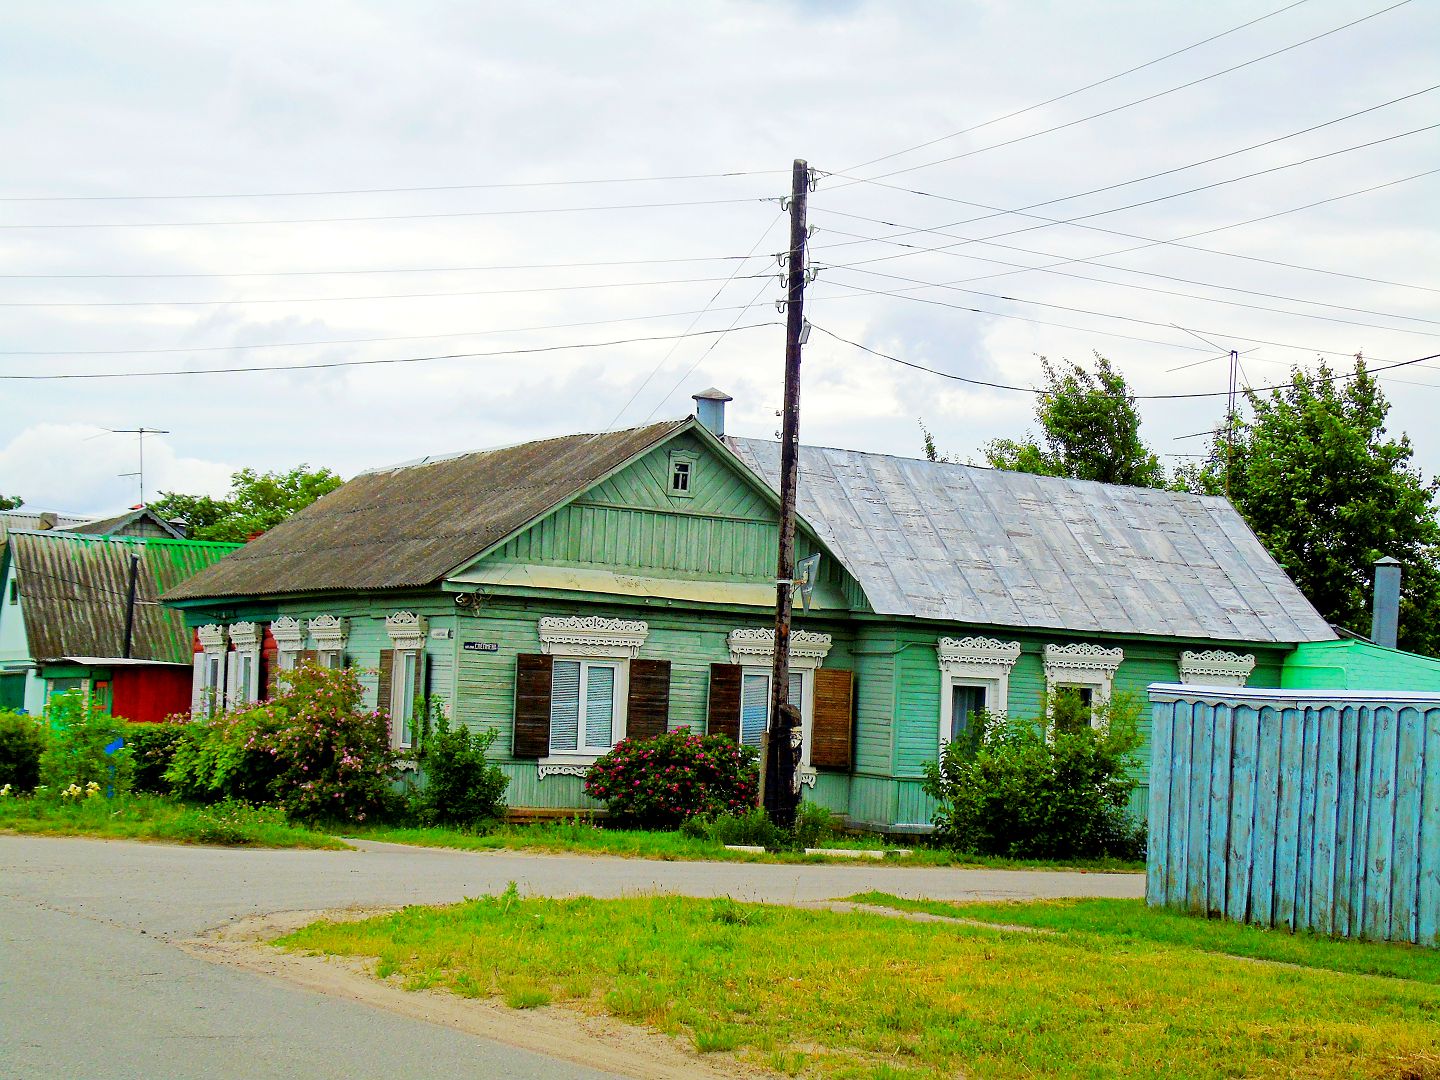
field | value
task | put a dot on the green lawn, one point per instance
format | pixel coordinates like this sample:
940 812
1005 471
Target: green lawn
1111 992
578 837
152 817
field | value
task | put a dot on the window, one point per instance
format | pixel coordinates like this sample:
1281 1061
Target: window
14 590
207 694
289 635
755 702
974 678
402 709
242 680
966 704
329 634
682 474
584 706
1078 678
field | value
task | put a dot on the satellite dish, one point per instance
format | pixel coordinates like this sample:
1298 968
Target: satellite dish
806 572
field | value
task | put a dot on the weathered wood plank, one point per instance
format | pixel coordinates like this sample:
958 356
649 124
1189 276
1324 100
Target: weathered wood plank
1157 864
1291 763
1428 877
1242 814
1404 859
1219 809
1349 775
1380 848
1305 841
1326 817
1197 860
1265 835
1360 836
1177 872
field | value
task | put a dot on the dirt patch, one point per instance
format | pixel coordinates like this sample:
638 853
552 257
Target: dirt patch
598 1042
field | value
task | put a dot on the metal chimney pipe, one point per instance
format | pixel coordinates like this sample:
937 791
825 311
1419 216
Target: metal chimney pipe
1385 615
710 409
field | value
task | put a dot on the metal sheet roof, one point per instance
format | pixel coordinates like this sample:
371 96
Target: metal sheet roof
973 545
411 525
74 589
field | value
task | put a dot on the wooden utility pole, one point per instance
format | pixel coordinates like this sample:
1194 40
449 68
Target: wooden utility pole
779 790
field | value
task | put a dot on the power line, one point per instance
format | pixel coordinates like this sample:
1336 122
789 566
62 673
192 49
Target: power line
397 217
370 296
1138 397
360 340
387 270
945 250
1176 242
1138 101
368 363
1162 292
1079 90
393 190
694 322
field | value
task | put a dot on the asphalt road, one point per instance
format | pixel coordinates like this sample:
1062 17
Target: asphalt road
92 983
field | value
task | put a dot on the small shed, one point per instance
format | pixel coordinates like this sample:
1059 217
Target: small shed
1356 664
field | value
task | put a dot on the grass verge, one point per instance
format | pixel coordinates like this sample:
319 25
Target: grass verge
584 838
1111 922
153 817
819 993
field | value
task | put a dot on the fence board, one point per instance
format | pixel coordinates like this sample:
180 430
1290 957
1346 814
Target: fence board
1309 810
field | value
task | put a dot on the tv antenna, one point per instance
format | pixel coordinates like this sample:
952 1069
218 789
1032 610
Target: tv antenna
140 433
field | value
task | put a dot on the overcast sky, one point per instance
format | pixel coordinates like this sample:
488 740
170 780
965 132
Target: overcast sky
260 101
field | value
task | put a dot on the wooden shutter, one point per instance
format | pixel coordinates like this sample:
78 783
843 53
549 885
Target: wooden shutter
532 705
647 712
831 743
383 693
724 714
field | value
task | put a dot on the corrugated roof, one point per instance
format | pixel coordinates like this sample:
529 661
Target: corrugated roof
411 525
75 587
141 522
972 545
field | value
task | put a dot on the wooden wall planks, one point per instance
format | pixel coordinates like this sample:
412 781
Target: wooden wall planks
1311 810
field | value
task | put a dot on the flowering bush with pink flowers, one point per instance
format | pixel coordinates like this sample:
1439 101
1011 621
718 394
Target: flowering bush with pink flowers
660 782
313 749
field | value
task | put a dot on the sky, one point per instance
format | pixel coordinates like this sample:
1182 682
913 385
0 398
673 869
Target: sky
435 227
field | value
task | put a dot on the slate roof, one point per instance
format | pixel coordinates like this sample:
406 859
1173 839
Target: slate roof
972 545
74 588
410 525
141 522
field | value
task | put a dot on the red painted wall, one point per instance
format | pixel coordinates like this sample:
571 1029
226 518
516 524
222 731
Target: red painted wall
148 694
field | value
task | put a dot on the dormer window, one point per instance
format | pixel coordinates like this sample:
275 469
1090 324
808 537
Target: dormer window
682 475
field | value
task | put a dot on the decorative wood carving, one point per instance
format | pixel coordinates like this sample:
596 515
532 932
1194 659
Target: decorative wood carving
1216 667
592 635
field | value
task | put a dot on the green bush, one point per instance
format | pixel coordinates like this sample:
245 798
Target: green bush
75 756
1013 791
460 786
154 747
753 828
22 741
313 749
813 825
659 782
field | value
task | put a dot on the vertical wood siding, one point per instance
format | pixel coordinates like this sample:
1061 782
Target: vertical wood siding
1311 810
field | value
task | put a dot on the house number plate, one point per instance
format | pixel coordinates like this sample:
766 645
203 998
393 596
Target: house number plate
481 646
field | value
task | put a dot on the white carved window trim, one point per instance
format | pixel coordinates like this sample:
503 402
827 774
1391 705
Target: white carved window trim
1216 667
207 686
1083 665
584 638
289 635
407 632
242 679
974 661
330 633
753 649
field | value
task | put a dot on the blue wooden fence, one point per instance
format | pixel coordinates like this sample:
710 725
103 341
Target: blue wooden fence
1313 810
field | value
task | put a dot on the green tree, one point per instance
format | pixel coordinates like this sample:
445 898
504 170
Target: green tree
1090 430
1315 474
257 502
11 502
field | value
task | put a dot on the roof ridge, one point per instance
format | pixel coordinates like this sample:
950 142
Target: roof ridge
436 459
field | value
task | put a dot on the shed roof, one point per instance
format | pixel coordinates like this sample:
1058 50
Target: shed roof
974 545
410 525
74 589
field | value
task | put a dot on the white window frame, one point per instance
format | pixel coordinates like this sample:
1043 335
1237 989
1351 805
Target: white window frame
587 638
242 677
1083 665
753 649
1216 667
331 634
619 688
974 661
407 632
289 635
689 460
207 686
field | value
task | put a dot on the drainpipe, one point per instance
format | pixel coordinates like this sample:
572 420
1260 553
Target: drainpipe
1385 615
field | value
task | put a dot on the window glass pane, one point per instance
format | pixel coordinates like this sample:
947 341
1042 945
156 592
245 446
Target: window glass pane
965 703
405 707
797 689
247 666
599 707
565 705
754 708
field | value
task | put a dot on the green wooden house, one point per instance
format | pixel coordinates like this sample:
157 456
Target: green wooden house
573 591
